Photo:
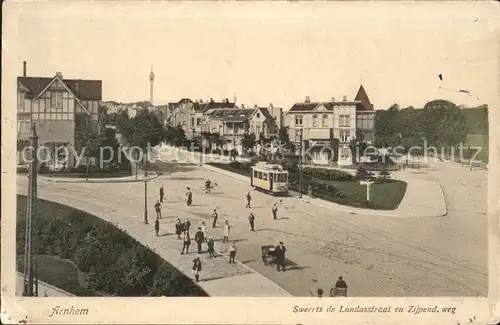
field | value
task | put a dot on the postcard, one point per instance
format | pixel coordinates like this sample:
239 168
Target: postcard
250 162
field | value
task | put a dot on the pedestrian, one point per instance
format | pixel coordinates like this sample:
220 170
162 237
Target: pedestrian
204 230
225 231
157 226
187 225
178 228
161 194
232 252
275 211
199 238
249 199
211 249
320 292
189 197
340 288
158 209
215 216
45 294
251 219
186 241
197 268
310 191
279 253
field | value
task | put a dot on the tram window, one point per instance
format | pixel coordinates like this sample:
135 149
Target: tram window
275 177
264 176
260 175
282 178
255 174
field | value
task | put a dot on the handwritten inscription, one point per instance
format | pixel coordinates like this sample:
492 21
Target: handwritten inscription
57 310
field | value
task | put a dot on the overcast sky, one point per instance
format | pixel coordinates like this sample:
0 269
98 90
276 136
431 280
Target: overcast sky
263 52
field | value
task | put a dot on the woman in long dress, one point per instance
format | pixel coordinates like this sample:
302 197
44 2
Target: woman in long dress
226 232
189 197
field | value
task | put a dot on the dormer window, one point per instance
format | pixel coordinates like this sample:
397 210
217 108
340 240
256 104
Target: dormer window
258 115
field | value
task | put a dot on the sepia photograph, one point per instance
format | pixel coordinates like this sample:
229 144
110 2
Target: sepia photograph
269 152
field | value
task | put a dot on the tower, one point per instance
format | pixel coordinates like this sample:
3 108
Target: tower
151 86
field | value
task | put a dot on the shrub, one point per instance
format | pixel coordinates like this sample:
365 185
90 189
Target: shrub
216 151
363 174
235 164
384 174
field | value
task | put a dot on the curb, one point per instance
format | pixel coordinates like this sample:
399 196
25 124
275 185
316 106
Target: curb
97 180
332 205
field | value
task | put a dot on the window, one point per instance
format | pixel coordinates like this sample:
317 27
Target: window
264 176
20 99
258 115
344 136
192 120
257 129
298 120
297 135
315 120
365 121
260 175
344 121
198 121
325 120
282 178
255 174
56 99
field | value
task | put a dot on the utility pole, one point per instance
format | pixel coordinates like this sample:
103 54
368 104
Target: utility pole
30 248
300 162
146 189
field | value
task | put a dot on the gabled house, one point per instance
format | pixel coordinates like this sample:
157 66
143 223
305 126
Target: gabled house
57 105
315 125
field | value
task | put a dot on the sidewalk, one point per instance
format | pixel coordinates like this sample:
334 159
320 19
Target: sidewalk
42 288
219 278
127 179
423 198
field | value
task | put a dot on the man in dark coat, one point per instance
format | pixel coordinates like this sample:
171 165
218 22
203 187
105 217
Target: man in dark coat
215 216
340 288
251 219
279 252
275 211
162 193
249 199
199 238
187 225
158 209
157 226
186 241
197 268
189 197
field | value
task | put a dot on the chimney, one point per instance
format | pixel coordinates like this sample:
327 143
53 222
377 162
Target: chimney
24 68
76 88
255 106
308 99
59 74
270 105
345 98
333 99
211 100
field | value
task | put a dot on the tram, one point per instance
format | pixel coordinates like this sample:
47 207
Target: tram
270 178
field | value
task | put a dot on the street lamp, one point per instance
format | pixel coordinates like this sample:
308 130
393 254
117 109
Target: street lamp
146 189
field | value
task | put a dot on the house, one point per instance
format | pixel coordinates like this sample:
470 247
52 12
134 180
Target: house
57 106
317 124
232 124
190 114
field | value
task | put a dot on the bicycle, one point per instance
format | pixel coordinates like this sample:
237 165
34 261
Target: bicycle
210 189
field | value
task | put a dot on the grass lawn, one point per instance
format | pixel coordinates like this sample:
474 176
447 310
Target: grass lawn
384 195
84 175
60 273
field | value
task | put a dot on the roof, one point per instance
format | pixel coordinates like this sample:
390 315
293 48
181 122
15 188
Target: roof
231 115
87 89
365 104
301 107
203 107
266 113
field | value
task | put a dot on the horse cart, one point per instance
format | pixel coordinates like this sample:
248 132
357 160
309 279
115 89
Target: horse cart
268 254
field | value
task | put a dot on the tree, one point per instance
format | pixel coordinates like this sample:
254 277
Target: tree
86 142
248 142
283 136
444 123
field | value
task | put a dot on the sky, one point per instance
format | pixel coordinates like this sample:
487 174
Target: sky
262 52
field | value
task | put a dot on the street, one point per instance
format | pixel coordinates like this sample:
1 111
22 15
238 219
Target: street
377 256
